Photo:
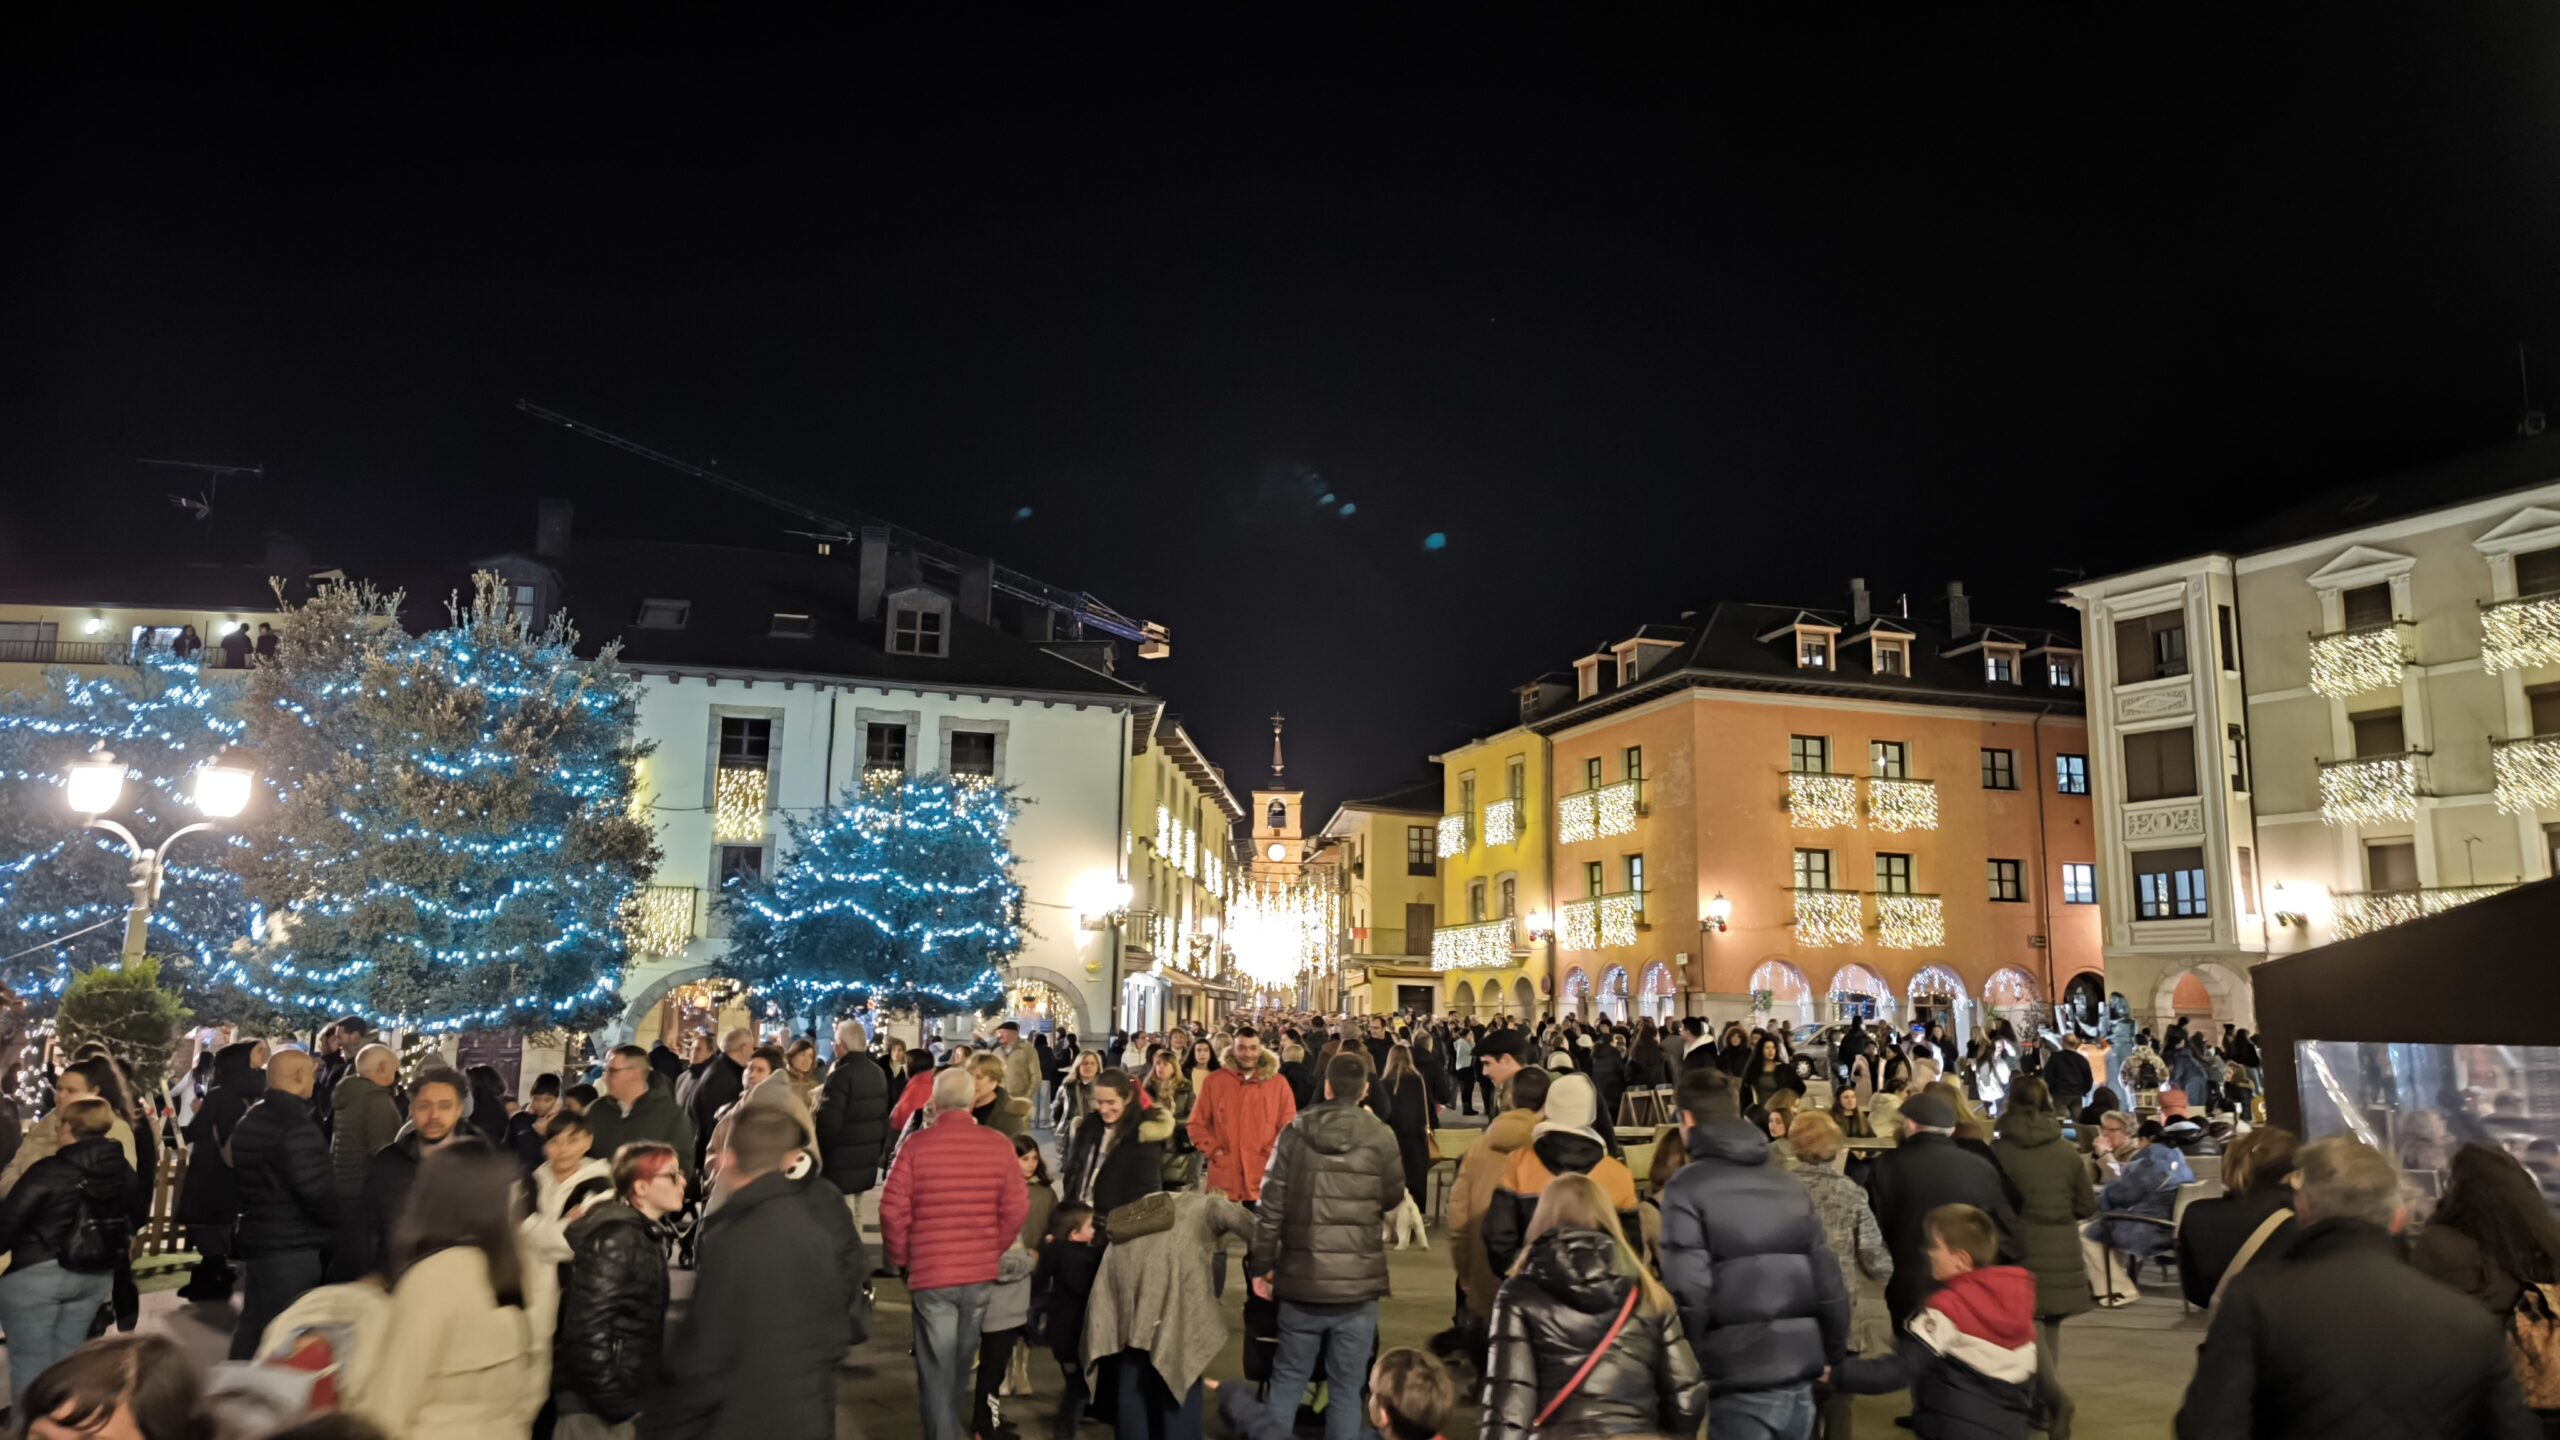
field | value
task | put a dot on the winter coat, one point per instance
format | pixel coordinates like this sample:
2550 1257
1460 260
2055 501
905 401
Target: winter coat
1969 1359
654 1116
1108 1171
755 1356
1480 1171
1061 1291
1021 1070
1406 1108
717 1090
1760 1086
1069 1103
1334 1178
1305 1089
330 1071
2212 1231
455 1364
545 1228
853 1122
613 1313
1152 1293
1004 1114
2344 1339
916 1099
1917 1176
2054 1196
38 1214
2189 1071
2067 1075
367 1117
1524 1181
1009 1307
954 1203
1849 1227
208 1196
2148 1186
1551 1317
1743 1252
1237 1122
280 1164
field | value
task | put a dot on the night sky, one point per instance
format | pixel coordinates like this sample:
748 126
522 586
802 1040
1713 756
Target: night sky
1634 318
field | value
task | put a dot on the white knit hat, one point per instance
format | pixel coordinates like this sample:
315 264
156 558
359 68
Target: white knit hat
1572 1107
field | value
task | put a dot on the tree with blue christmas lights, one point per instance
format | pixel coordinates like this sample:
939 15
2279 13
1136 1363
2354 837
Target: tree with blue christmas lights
902 894
59 878
451 844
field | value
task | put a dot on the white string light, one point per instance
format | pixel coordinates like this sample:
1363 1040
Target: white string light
2369 791
2520 634
1576 818
1910 922
1615 807
1486 945
1821 802
1829 917
2528 774
1453 835
2353 662
1501 823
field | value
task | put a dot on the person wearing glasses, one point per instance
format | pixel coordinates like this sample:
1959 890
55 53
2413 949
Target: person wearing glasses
636 1105
614 1306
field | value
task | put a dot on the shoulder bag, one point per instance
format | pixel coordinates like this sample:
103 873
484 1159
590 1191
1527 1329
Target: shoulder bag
1625 1312
2265 1232
2533 1341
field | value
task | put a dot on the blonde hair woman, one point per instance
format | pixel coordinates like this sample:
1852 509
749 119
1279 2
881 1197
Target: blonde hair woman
1583 1337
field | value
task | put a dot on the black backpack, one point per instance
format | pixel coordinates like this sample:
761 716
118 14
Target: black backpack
101 1236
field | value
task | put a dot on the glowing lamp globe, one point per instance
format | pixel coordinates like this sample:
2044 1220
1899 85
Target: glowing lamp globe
222 791
96 784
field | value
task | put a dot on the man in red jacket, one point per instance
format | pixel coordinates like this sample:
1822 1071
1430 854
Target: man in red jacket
1243 1107
955 1203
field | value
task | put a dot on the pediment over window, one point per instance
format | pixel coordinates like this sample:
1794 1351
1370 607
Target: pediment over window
2535 527
2361 565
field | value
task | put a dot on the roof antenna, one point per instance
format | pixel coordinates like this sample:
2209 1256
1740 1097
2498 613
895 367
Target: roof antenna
2530 423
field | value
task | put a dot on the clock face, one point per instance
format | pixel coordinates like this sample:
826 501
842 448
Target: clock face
1277 851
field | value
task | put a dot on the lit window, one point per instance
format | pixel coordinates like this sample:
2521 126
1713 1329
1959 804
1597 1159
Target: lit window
1813 650
2071 774
2000 667
2169 885
1809 754
1813 869
1893 657
2079 884
2062 672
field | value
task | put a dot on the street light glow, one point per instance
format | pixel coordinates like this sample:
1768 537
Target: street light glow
96 784
222 791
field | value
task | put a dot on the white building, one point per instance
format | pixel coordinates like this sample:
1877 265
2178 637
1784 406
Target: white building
2347 718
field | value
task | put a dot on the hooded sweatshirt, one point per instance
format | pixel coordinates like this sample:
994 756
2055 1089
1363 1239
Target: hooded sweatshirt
1968 1358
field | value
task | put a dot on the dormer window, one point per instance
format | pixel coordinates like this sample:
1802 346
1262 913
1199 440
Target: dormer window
2062 671
1813 649
919 623
1892 657
2000 664
1586 677
662 615
787 626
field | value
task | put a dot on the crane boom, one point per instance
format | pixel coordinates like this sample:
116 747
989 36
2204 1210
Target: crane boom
1154 641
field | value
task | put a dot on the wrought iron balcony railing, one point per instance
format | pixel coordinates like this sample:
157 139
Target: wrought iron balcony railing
1480 945
1608 810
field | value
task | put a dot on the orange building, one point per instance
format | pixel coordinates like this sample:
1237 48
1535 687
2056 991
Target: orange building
1819 813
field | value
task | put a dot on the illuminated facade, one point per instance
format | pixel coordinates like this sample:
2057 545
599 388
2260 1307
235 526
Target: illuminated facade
1497 887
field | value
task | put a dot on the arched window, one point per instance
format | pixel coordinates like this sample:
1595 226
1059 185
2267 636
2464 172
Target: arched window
1577 992
1858 993
1661 997
1786 986
1613 993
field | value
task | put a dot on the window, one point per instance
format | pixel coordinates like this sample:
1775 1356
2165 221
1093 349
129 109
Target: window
1813 869
2079 884
2391 865
973 752
1813 650
2160 764
746 742
1420 847
914 630
1893 874
1591 773
1593 878
2008 880
1510 897
1635 874
1808 754
2542 702
741 862
2000 667
2379 732
787 626
1475 901
662 614
1999 769
1631 766
1889 759
1893 657
1277 817
2062 672
2070 774
2227 637
2235 759
884 747
2169 885
2152 647
2248 869
523 597
2366 606
1467 797
2538 572
1417 929
1518 776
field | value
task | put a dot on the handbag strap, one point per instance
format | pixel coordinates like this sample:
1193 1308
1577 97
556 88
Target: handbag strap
1624 1311
2266 1231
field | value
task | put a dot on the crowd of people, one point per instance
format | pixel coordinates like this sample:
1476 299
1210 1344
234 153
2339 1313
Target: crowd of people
677 1247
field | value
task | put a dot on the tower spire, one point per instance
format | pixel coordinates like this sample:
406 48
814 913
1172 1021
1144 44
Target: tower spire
1278 767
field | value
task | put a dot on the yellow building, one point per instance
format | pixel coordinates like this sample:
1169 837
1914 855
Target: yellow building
1386 851
1493 845
1174 966
95 626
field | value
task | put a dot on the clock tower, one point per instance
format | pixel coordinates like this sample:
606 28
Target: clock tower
1279 836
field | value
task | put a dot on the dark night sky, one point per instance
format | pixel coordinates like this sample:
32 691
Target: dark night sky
1638 318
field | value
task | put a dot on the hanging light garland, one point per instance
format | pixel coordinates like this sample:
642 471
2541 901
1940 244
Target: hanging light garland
1821 802
1576 818
2369 791
1615 808
738 804
1829 917
1501 822
2355 661
2528 774
2519 634
1453 835
1482 946
661 919
1897 806
1910 922
1281 929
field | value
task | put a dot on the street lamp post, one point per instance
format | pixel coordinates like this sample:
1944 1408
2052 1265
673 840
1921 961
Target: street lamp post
96 784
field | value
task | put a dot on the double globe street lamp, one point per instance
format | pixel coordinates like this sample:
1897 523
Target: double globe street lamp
96 786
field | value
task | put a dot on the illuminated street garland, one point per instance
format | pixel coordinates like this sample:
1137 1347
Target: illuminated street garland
660 920
1501 823
2369 791
1453 835
2353 662
1485 945
738 804
2528 774
1897 806
1910 922
1829 917
2520 634
1577 818
1821 802
1616 807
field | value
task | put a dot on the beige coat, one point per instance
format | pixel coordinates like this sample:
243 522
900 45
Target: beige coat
1153 1293
1479 1175
455 1365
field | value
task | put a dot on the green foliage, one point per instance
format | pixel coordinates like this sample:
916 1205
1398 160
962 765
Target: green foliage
127 1010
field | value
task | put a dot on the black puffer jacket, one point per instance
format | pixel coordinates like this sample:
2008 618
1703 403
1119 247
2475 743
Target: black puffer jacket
1334 1176
37 1215
853 1122
1744 1256
613 1312
209 1196
280 1163
1549 1318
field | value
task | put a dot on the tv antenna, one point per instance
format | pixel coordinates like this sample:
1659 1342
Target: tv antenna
201 504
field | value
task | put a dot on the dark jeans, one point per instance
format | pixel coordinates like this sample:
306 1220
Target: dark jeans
995 1354
273 1283
1148 1410
1072 1396
1345 1340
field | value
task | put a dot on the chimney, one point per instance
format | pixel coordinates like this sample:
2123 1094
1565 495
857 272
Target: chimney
1860 611
871 578
551 524
977 590
1959 610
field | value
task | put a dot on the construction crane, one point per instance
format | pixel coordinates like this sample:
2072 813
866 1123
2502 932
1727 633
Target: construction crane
1154 641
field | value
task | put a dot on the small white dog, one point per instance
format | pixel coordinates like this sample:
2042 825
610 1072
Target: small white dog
1404 1224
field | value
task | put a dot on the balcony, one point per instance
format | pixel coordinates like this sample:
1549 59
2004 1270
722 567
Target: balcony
2528 772
79 652
738 795
1898 806
2353 662
1591 814
1911 922
2361 912
1502 823
658 920
1483 945
2520 634
1830 917
1604 922
2370 789
1453 835
1139 932
1818 801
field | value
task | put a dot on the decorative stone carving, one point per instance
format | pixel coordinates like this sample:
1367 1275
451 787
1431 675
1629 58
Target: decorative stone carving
2179 699
2165 822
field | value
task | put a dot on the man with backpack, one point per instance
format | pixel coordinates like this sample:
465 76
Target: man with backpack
288 1198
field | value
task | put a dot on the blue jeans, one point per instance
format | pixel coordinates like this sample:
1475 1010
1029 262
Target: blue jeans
947 1324
47 1311
1346 1340
1149 1411
1785 1413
